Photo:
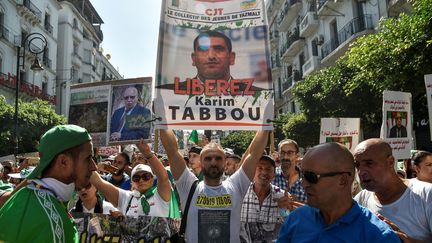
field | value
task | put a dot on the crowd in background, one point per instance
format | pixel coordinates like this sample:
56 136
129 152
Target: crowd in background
137 182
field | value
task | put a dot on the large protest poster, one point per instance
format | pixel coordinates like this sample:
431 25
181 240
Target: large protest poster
428 84
213 66
396 128
105 228
114 112
340 130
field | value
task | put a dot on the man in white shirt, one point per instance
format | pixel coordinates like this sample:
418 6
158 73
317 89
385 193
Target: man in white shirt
405 203
214 212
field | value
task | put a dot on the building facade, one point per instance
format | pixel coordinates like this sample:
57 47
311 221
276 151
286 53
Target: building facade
73 35
307 36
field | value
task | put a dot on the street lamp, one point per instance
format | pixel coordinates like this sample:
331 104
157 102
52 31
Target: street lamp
36 66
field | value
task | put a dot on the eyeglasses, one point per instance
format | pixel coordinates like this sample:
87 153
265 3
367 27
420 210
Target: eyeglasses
289 152
145 177
129 97
313 177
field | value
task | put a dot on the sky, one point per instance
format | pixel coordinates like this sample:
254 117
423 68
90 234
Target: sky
131 29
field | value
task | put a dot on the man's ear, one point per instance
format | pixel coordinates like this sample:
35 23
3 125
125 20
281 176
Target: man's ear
193 59
391 161
232 58
64 161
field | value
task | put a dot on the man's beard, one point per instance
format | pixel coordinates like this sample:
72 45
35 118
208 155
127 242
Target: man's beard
213 172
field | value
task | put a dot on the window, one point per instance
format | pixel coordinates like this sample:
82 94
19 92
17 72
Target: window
47 23
45 85
75 24
75 48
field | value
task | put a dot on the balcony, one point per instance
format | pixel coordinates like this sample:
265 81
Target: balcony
48 28
336 47
273 7
275 63
311 65
290 81
292 46
288 13
326 7
274 35
30 12
309 24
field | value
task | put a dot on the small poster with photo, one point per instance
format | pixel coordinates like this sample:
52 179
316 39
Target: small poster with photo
345 131
396 126
114 112
131 116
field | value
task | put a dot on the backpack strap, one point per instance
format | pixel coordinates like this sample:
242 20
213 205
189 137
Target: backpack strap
186 210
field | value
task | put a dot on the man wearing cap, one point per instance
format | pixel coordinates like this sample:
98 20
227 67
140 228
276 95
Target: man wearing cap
214 212
260 213
37 213
195 163
145 198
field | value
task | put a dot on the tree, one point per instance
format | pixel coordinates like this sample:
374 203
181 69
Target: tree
34 119
394 58
238 141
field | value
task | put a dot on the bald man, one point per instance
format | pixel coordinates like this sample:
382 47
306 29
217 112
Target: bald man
406 203
330 214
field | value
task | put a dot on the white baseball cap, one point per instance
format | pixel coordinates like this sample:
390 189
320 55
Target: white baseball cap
141 167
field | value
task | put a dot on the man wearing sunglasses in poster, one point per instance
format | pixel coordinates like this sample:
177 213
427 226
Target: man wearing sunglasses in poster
145 198
120 129
405 203
331 215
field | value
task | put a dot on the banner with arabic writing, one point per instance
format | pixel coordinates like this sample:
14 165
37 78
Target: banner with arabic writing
396 127
340 130
105 228
213 67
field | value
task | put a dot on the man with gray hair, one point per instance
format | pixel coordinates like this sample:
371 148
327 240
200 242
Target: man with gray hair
288 175
406 204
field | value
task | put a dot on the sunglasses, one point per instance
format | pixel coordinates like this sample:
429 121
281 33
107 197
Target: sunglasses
313 177
145 177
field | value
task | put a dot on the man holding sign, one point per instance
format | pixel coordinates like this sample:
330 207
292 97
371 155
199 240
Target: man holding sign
214 212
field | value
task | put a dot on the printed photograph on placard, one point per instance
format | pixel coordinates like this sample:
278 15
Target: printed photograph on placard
130 113
396 124
344 140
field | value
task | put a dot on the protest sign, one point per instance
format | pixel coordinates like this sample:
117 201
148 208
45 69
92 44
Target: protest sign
114 112
396 128
105 228
428 84
213 66
340 130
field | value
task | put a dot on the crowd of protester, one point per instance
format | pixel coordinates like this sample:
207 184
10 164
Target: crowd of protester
326 194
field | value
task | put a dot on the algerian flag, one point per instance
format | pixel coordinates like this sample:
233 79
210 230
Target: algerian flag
193 137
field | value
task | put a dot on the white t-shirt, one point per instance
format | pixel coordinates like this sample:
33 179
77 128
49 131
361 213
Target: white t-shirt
412 212
158 207
106 207
214 212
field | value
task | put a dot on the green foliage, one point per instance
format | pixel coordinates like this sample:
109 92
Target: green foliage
34 119
239 141
395 58
298 127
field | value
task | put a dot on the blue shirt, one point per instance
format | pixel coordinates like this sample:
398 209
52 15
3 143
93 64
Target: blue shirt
306 224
